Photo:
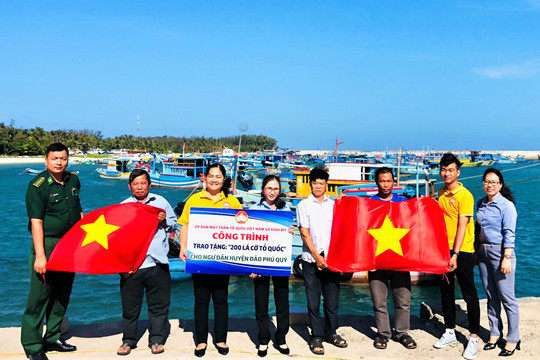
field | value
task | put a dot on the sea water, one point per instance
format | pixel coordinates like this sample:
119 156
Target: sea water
96 298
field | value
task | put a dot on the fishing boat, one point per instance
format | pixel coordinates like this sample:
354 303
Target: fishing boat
341 174
182 173
479 158
118 169
285 179
413 168
471 163
370 189
361 176
30 171
177 268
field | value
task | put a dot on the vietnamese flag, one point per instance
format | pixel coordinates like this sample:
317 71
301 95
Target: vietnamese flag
370 234
110 240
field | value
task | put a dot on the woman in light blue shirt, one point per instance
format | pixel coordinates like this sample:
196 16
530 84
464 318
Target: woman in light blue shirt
496 220
270 200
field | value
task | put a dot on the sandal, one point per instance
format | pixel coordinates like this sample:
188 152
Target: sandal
407 341
124 349
337 340
381 342
316 346
157 348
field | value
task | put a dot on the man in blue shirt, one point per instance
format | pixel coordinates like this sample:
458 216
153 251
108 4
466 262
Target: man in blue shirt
152 276
400 281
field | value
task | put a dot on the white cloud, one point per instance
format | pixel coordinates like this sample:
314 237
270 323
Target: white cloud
521 71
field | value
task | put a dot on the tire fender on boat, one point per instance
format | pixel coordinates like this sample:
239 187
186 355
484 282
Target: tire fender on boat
298 270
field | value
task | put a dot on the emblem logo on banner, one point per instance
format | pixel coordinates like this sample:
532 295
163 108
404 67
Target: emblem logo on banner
241 217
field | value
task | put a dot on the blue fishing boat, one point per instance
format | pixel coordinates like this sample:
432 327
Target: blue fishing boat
370 189
182 173
503 159
177 269
118 169
30 171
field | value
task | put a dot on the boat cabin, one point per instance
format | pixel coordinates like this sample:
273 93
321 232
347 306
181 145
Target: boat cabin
191 167
118 165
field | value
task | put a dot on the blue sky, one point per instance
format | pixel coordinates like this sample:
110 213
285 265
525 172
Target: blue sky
378 74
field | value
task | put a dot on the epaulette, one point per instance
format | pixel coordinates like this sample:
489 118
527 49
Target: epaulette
74 173
39 182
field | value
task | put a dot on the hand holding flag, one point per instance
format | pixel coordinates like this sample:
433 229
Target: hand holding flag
110 240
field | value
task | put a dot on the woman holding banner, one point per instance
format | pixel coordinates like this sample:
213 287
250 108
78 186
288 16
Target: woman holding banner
270 200
206 286
496 220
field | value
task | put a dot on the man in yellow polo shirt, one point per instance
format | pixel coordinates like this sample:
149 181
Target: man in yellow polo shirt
457 204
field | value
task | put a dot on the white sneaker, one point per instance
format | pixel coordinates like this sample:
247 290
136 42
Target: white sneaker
445 340
471 350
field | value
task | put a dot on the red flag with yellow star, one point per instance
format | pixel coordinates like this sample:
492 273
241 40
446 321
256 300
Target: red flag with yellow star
370 234
110 240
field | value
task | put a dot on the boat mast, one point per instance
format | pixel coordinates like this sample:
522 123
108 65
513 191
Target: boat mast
337 145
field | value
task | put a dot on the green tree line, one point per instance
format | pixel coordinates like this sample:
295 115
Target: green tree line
15 141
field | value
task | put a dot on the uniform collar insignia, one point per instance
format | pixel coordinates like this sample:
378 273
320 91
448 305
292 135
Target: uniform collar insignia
39 182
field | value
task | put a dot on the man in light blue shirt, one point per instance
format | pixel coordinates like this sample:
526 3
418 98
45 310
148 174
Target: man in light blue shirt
153 275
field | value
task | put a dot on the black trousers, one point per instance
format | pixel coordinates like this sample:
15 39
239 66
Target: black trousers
465 277
325 282
281 298
156 280
208 286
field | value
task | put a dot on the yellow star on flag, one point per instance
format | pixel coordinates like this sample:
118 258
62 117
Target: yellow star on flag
388 237
98 232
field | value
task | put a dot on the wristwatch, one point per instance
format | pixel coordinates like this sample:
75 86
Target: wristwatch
452 253
507 256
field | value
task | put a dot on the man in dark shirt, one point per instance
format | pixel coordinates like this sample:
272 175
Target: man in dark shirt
53 207
400 281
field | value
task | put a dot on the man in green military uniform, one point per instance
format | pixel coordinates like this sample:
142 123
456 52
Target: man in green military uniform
53 206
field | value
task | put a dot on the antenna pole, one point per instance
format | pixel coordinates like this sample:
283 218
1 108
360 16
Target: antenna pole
337 145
